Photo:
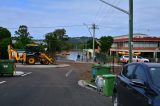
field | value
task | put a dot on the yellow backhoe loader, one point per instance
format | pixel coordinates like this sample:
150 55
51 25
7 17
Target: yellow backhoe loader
31 55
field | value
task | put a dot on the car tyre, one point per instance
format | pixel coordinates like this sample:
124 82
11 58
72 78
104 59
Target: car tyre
145 61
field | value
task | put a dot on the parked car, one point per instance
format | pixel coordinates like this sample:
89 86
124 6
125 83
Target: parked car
138 85
125 59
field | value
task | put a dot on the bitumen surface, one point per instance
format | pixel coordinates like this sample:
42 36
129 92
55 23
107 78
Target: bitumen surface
48 86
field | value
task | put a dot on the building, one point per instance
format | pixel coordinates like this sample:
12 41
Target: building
89 52
144 45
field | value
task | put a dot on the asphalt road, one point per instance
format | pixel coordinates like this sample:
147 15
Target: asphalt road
48 87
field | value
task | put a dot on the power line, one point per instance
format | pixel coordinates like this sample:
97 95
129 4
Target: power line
99 12
49 27
109 12
109 19
105 10
88 29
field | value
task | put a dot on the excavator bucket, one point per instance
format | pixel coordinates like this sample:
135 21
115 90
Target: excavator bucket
46 57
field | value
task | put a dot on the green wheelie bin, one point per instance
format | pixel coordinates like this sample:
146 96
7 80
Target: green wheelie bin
94 69
7 67
108 84
98 69
102 70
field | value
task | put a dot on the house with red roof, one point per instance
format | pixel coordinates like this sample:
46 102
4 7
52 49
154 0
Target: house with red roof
142 44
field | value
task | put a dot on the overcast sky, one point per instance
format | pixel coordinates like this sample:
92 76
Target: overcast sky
43 16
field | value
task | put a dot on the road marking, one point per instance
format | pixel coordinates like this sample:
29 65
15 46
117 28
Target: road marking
26 74
2 82
68 73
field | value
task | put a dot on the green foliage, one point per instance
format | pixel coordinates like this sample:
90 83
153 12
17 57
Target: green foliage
4 33
5 40
59 33
22 31
90 44
4 48
52 42
66 46
80 46
106 43
18 44
79 43
55 41
22 37
42 47
21 42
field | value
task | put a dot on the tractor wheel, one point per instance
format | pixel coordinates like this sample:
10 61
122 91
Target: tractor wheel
46 62
31 60
41 62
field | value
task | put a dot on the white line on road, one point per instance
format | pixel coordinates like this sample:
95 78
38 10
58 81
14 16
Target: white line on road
26 74
68 73
2 82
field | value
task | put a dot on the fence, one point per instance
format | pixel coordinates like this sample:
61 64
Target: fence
104 59
112 61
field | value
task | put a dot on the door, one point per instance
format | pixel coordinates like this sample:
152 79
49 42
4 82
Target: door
138 95
123 84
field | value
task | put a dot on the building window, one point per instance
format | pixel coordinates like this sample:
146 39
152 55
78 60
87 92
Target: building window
158 44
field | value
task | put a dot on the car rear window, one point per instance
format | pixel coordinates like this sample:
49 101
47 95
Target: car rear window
134 56
126 56
139 57
155 75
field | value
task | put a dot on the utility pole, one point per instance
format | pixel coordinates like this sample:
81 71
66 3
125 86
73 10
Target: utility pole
94 27
130 44
130 13
88 29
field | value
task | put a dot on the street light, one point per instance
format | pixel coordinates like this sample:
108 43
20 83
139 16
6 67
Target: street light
130 13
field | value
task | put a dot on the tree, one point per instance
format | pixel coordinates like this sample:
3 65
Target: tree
90 44
106 43
22 37
52 42
56 42
22 31
66 46
5 40
4 33
59 33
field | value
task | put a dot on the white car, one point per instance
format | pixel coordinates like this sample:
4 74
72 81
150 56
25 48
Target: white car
125 59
